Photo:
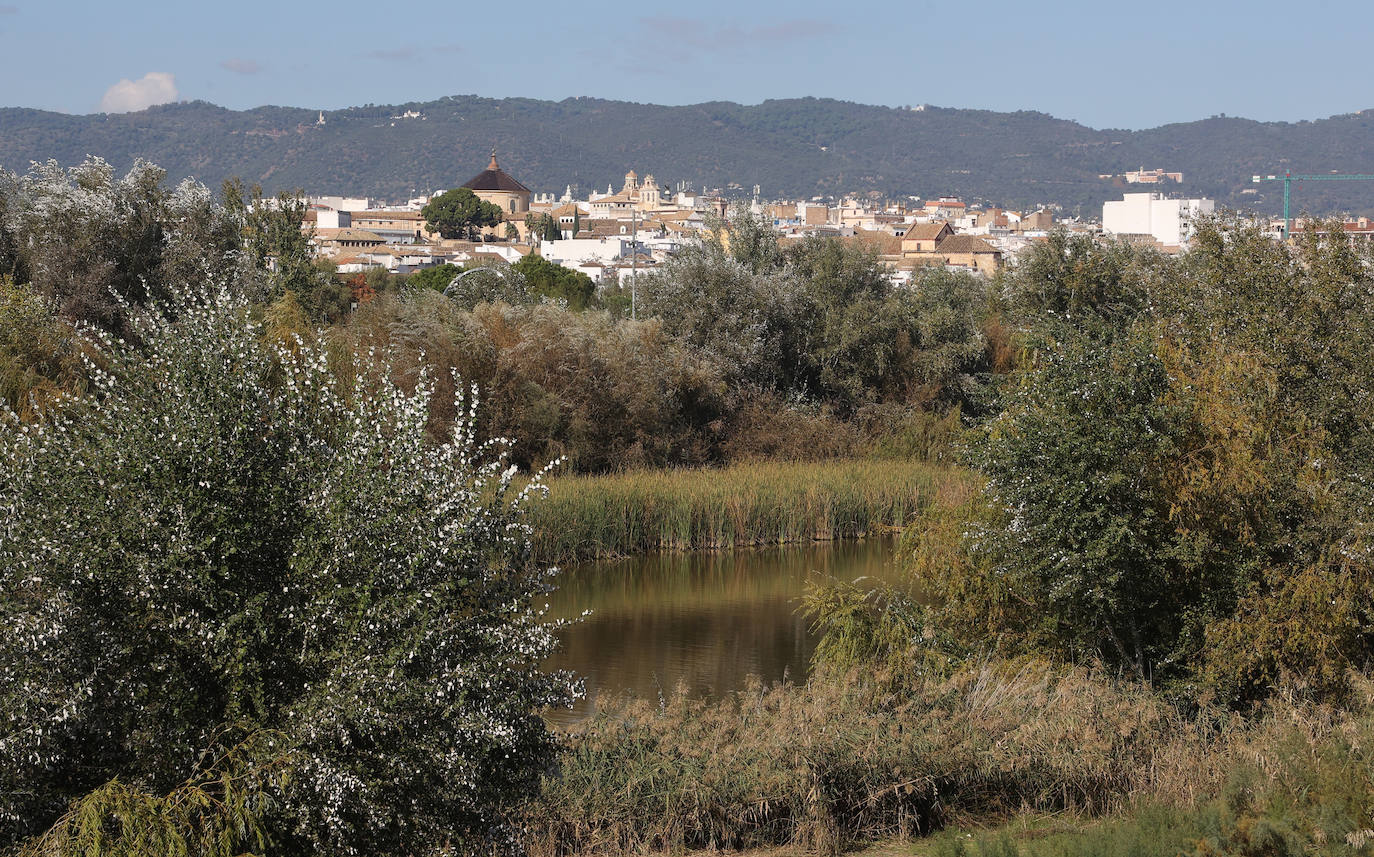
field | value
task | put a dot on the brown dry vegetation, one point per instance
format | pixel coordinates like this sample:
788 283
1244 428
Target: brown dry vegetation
822 766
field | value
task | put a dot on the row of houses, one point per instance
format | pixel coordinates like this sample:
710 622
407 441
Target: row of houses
618 234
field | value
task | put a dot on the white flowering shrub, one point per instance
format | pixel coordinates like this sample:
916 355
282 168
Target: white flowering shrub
85 238
224 532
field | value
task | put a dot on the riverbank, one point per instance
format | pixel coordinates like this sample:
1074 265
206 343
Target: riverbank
591 517
1000 760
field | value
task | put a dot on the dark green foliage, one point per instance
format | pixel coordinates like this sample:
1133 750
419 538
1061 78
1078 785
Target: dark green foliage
436 277
794 148
459 213
822 321
1073 276
1178 474
551 280
275 244
1082 455
544 227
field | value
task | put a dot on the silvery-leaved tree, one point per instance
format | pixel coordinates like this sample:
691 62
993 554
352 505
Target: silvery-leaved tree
229 531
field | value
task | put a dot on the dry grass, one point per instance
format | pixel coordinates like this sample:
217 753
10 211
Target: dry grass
1057 761
818 766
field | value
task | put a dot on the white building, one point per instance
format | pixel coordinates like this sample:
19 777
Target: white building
342 203
605 252
1168 221
328 218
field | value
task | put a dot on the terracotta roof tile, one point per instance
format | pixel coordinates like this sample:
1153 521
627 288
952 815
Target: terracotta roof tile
926 231
965 244
495 178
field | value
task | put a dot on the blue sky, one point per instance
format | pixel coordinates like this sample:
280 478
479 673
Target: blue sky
1101 63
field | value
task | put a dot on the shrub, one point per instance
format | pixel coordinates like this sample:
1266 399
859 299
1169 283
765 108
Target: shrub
227 531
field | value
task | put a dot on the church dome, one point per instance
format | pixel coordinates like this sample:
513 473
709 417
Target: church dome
493 178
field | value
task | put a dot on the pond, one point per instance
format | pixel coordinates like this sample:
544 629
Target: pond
704 620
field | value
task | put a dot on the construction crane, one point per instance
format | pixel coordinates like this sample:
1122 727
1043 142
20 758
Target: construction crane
1289 178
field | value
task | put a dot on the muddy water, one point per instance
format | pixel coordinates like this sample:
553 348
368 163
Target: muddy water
705 621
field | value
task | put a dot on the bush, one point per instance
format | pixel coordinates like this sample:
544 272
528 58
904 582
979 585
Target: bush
88 241
1178 475
603 393
226 532
39 353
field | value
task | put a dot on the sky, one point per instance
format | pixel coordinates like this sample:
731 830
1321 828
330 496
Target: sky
1105 64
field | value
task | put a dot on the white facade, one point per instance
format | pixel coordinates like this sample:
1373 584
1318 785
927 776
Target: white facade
572 252
343 203
331 219
1167 220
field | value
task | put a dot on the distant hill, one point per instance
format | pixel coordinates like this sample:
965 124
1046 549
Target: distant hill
791 148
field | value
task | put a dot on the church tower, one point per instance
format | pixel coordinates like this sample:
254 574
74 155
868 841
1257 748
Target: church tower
649 194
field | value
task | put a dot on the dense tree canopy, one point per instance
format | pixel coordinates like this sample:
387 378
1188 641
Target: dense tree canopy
822 319
1178 478
552 280
460 213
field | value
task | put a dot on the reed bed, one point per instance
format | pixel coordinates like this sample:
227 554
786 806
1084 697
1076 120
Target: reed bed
592 517
821 766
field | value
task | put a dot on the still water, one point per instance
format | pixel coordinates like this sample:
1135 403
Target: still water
703 620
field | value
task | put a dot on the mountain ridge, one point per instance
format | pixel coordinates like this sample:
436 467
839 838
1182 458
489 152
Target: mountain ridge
797 147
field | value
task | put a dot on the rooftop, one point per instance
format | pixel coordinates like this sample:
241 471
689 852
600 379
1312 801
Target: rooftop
495 178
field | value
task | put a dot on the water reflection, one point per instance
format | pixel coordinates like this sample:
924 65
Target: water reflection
705 620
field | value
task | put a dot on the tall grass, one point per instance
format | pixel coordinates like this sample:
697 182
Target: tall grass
838 760
819 765
588 517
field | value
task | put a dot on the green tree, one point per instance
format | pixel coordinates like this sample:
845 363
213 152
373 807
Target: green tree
460 213
227 531
552 280
436 277
821 320
544 226
1178 478
1081 458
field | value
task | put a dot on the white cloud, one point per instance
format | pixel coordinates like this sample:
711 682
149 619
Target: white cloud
127 96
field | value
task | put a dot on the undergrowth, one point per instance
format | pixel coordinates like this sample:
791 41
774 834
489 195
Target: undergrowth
839 760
